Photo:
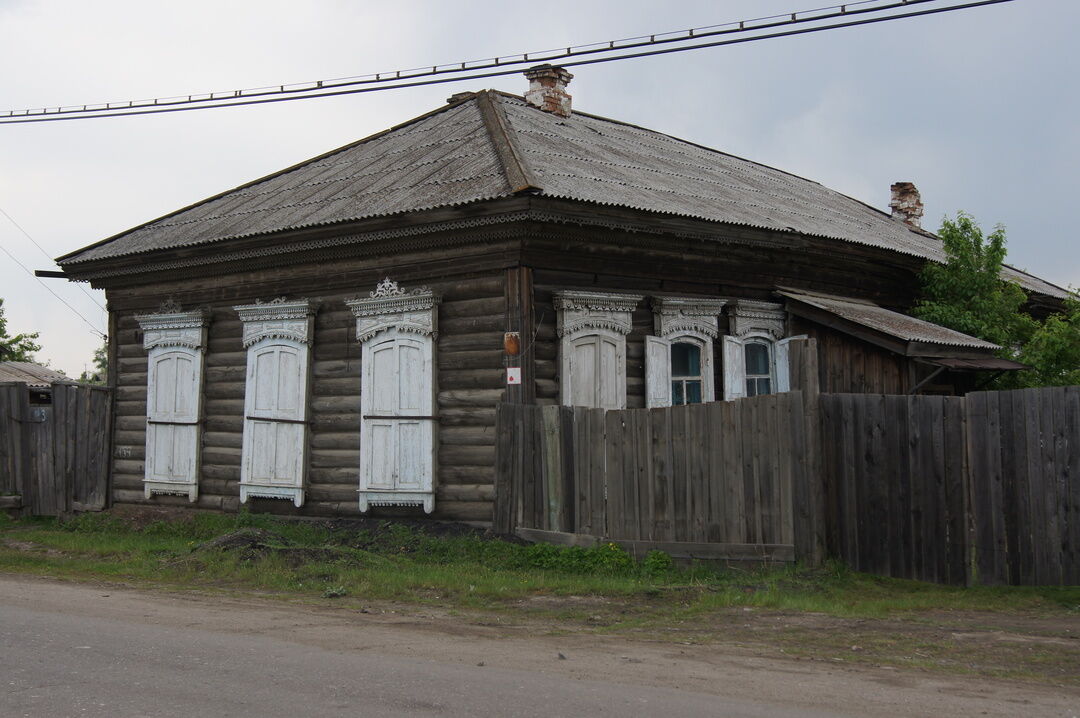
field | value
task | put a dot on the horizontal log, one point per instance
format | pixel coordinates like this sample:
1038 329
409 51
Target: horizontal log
343 493
337 350
336 386
482 306
129 466
131 393
466 455
128 482
477 341
223 407
466 416
230 474
226 359
334 475
470 359
466 474
225 439
335 335
336 367
465 492
225 390
463 510
547 388
221 422
237 373
335 458
11 502
348 421
335 440
467 435
224 343
133 365
545 369
335 404
134 437
471 397
493 324
221 455
492 378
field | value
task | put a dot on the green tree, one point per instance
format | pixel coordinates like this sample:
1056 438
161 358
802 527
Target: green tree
20 347
967 294
99 374
1054 349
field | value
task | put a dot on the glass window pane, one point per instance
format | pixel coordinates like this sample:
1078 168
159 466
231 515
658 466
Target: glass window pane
685 359
677 393
693 392
764 386
757 359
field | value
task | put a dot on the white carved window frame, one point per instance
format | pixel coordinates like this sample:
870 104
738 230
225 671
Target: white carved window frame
754 322
290 323
172 331
690 320
386 314
584 314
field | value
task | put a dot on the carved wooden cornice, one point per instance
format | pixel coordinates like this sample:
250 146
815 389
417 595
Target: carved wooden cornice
748 316
579 310
391 307
172 327
677 315
277 319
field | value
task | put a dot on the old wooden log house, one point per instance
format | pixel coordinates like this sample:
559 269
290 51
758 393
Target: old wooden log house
334 339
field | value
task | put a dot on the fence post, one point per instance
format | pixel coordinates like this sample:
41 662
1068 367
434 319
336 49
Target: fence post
808 493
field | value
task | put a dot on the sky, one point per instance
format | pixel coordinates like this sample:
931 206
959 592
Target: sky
979 108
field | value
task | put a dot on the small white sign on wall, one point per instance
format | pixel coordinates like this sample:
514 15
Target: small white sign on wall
513 375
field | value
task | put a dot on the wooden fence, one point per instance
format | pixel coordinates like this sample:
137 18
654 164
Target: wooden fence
700 481
979 489
54 457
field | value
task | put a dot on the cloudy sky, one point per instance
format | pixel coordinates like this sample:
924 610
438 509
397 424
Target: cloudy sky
978 107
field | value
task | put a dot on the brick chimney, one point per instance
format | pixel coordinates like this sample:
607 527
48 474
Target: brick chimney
906 204
547 89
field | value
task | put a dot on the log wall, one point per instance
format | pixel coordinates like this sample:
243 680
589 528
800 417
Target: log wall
470 383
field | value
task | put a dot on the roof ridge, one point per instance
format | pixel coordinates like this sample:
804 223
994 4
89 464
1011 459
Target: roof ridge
517 171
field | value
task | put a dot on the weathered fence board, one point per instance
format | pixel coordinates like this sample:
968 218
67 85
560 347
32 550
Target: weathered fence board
55 456
719 474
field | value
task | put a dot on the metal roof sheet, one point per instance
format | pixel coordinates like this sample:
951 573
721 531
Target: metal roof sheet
450 157
895 324
34 375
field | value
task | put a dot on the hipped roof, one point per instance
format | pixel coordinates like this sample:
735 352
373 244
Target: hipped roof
493 145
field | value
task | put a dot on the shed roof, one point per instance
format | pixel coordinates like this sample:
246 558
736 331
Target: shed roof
28 373
492 145
893 324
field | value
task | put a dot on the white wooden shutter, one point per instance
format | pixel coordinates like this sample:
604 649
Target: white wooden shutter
174 378
783 362
658 372
275 430
397 432
734 369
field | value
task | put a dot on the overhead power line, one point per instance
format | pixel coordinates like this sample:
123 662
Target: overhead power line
612 51
74 311
42 250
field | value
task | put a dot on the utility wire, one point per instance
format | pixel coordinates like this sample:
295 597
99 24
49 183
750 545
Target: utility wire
74 311
42 250
487 63
237 98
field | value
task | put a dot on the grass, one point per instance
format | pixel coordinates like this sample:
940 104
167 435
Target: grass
395 562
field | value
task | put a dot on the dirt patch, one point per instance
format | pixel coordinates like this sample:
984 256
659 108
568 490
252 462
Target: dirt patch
251 544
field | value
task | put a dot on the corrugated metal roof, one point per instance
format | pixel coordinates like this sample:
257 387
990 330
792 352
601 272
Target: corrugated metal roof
895 324
450 157
29 373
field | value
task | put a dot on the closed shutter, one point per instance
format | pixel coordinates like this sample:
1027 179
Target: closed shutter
172 415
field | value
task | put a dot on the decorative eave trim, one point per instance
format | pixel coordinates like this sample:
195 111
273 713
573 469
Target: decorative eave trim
277 319
391 307
676 315
748 316
174 328
580 310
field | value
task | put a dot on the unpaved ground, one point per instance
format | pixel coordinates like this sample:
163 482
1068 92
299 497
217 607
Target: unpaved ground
743 672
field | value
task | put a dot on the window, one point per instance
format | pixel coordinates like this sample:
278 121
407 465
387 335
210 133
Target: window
592 327
273 461
686 380
679 357
175 341
758 363
755 356
397 396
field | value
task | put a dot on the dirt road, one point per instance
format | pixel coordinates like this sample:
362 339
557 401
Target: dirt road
80 650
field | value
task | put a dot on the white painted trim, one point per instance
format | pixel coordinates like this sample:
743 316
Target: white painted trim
603 315
657 372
